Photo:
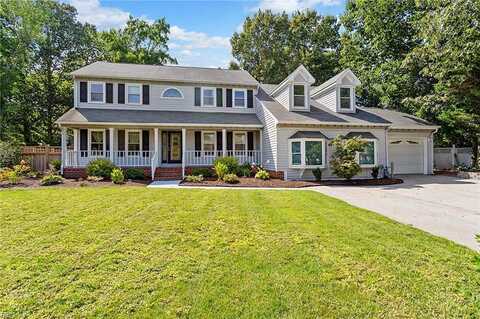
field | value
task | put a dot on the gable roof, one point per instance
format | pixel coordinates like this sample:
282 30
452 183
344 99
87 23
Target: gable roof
168 73
299 71
337 79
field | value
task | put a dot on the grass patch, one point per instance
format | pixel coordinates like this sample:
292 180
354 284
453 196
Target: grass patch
136 252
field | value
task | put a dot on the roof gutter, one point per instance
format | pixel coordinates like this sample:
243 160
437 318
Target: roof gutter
161 124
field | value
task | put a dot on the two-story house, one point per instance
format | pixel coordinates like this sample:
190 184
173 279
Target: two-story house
168 119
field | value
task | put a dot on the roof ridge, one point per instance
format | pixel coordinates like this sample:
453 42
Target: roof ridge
170 65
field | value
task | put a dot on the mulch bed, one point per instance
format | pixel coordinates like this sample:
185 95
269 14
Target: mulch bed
35 182
278 183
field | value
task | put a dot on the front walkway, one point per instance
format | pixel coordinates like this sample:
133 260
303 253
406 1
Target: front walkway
442 205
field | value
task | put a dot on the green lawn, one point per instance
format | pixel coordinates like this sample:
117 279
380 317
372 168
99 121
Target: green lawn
137 252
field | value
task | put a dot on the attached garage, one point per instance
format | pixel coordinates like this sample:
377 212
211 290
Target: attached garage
408 155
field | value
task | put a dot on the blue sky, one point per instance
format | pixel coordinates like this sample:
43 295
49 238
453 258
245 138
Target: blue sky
200 31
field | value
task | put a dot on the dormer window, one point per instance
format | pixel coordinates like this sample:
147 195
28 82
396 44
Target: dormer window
346 101
299 96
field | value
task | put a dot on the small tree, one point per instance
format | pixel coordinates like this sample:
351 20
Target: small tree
343 160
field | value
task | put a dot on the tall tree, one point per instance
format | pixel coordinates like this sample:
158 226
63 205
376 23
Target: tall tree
138 42
270 46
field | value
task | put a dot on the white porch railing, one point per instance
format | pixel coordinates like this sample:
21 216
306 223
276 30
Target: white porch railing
120 158
206 158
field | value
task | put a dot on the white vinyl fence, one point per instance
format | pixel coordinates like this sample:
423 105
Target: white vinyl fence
449 157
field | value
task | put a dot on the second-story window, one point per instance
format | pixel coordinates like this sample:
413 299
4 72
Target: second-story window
299 96
134 93
208 96
239 97
97 92
345 98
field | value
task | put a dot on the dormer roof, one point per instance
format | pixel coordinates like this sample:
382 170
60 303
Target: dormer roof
338 80
300 72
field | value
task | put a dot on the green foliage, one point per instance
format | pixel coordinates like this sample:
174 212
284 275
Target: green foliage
317 172
134 173
221 170
230 162
117 176
203 171
4 172
56 164
51 179
231 179
375 171
12 177
343 161
10 154
262 174
23 169
194 178
270 46
100 167
245 170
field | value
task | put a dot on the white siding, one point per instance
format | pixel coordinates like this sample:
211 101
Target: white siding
328 99
159 103
269 136
283 133
283 97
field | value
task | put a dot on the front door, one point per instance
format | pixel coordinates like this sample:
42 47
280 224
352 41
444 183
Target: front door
171 147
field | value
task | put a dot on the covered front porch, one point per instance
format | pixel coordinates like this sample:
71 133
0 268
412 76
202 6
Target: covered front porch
158 147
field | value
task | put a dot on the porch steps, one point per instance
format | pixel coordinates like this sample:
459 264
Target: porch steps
168 173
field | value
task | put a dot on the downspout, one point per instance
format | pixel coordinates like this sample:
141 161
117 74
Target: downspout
387 164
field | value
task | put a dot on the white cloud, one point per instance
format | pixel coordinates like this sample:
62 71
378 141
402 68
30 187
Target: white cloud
290 6
196 40
103 18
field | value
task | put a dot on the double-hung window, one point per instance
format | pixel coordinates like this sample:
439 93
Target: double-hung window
97 142
345 98
134 142
239 141
299 96
367 157
134 93
209 140
240 97
97 92
307 153
208 96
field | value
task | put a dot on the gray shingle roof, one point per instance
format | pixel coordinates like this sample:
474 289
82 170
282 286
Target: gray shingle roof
308 134
367 135
168 73
104 116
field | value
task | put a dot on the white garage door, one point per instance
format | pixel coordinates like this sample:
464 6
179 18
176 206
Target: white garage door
406 155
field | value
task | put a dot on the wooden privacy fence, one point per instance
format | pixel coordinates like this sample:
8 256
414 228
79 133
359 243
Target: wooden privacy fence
40 156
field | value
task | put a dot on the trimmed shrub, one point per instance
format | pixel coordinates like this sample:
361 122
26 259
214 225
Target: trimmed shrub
343 162
10 154
134 173
231 179
100 167
13 177
117 176
56 164
51 179
221 170
22 169
4 173
204 171
317 172
375 171
230 162
94 179
262 174
244 170
194 178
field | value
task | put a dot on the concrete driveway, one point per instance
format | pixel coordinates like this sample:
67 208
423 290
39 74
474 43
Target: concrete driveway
441 205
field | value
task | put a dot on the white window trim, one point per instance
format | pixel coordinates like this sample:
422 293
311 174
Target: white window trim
214 143
233 140
304 96
90 90
89 139
214 96
172 98
126 93
375 159
302 151
140 138
244 98
352 97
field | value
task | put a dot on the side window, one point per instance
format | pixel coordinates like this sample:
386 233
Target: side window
367 156
296 153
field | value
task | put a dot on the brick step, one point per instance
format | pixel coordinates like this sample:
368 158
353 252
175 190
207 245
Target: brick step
168 173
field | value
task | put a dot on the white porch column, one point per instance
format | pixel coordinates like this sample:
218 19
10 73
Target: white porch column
111 144
155 131
261 147
224 142
184 145
64 148
76 146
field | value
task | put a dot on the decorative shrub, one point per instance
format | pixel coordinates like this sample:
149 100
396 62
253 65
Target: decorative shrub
10 154
13 177
22 169
375 171
100 167
230 162
94 179
134 173
317 172
51 179
262 174
221 170
194 178
343 162
56 164
4 173
231 179
117 176
244 170
204 171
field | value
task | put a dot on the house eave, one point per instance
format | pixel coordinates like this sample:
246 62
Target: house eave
131 124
